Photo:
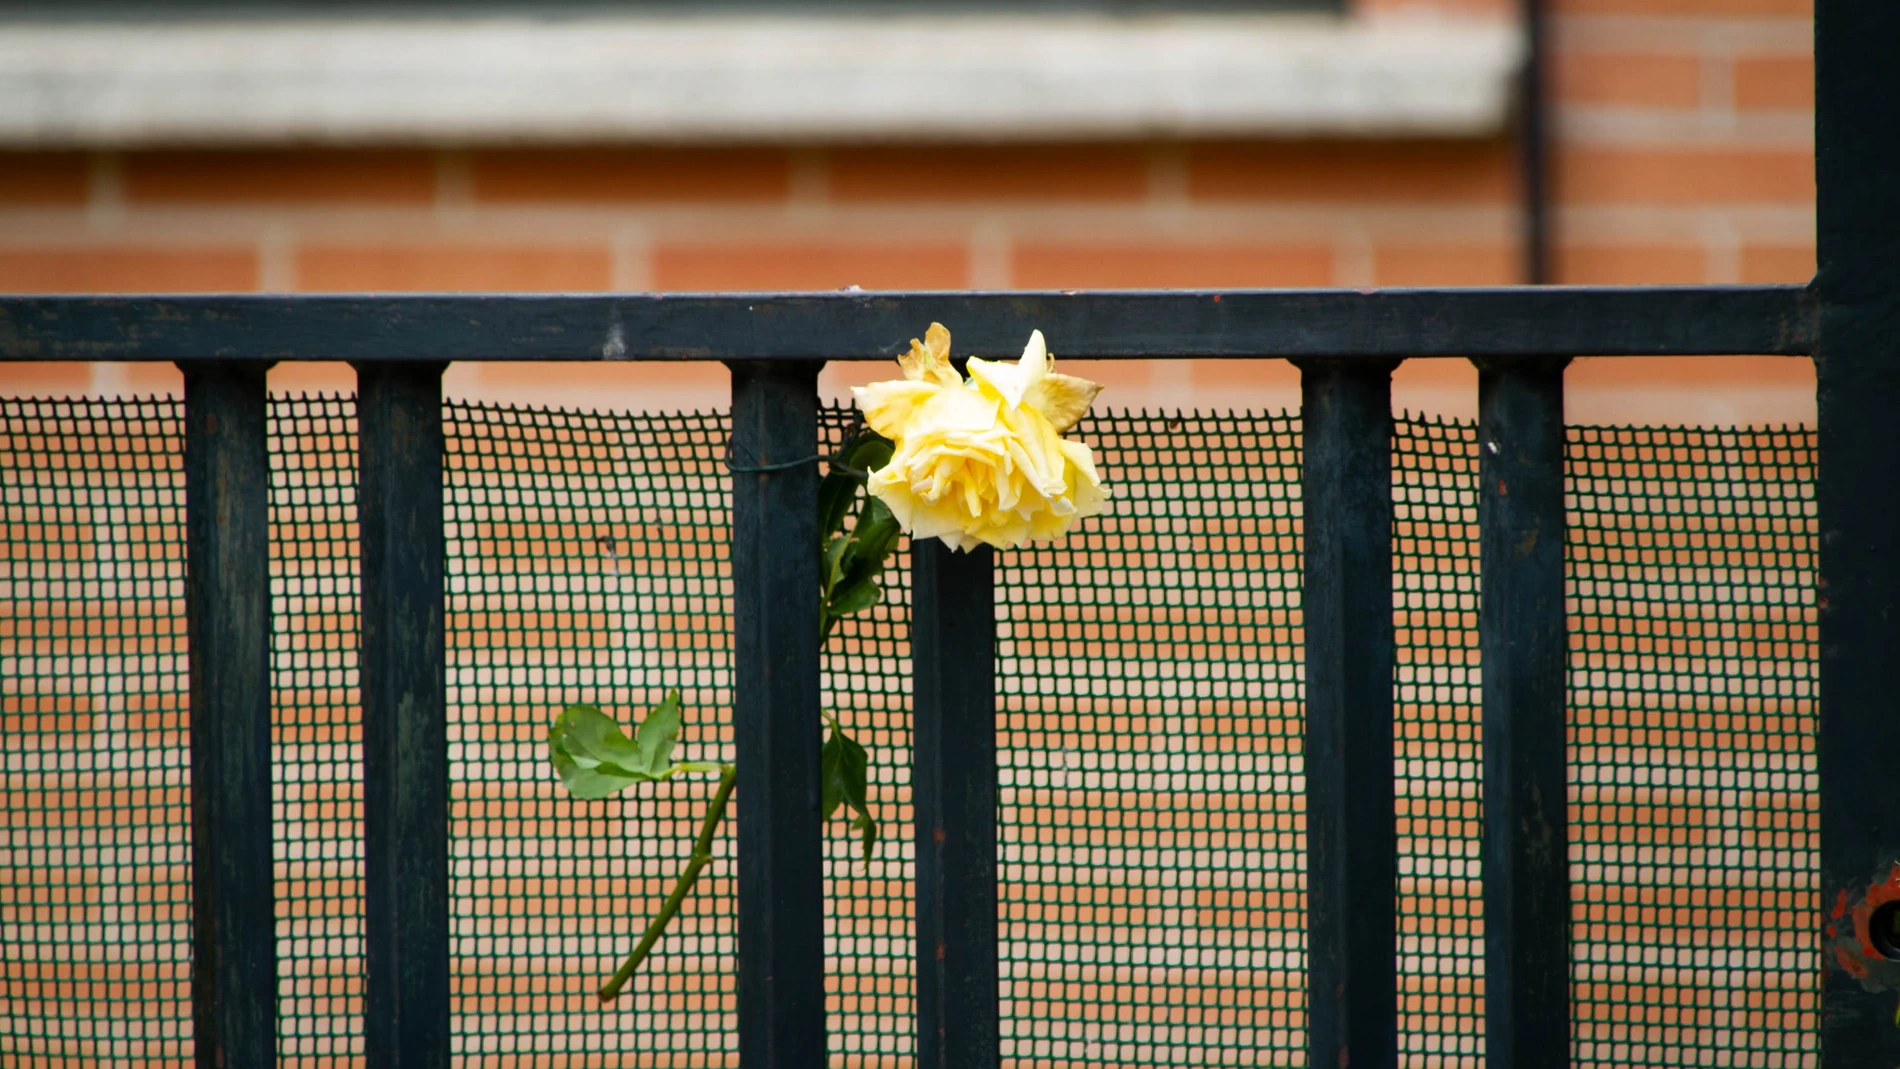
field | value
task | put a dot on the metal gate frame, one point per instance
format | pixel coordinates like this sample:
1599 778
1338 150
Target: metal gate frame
1346 344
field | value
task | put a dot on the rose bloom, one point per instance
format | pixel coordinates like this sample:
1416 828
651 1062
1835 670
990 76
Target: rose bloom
982 461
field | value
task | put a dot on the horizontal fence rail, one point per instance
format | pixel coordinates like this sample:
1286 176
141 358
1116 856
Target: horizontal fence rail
1348 324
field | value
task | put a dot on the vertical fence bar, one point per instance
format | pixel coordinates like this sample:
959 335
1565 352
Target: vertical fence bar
1351 840
1857 366
1533 134
227 613
776 717
953 785
405 717
1522 640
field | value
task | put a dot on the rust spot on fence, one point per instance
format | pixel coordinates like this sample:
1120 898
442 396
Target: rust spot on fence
1857 949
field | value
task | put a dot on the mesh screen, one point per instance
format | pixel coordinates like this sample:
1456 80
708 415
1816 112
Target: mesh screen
1149 743
1152 834
1439 763
870 925
587 562
95 889
317 778
1694 796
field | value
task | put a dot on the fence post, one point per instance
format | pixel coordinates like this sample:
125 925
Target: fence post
1523 653
1857 367
405 717
776 717
1351 828
227 613
953 785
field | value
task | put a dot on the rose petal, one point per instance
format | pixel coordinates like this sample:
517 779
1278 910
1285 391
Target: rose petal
890 407
929 360
1012 381
1062 399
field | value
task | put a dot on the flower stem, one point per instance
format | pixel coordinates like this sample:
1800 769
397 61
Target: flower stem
702 856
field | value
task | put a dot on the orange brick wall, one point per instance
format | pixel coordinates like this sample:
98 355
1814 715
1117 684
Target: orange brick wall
1684 154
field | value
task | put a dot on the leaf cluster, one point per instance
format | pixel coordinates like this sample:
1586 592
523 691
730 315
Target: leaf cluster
595 759
853 560
844 765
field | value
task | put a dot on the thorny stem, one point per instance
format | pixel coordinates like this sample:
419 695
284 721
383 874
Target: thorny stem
702 856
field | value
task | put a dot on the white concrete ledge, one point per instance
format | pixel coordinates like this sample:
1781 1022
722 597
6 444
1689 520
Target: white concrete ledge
749 78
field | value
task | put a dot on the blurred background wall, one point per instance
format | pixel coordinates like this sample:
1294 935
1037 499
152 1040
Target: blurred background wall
1681 152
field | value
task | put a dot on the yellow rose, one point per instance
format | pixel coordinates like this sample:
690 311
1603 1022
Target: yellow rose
983 460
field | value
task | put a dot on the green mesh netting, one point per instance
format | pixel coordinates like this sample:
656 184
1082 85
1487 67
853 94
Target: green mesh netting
1438 762
1692 718
1152 831
95 890
1149 741
587 562
316 740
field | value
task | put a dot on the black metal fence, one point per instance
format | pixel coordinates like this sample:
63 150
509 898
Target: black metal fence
1346 344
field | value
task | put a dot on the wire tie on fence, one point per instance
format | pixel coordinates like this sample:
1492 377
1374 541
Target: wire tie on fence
836 465
747 469
832 461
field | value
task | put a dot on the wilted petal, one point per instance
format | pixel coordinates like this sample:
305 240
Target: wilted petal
1062 399
929 360
1085 485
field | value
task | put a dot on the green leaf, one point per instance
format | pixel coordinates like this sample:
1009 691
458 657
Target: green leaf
876 534
656 735
830 787
835 552
859 595
844 767
591 755
867 829
853 764
590 784
835 495
595 759
869 451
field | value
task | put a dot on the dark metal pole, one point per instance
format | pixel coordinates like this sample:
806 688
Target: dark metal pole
1857 367
1533 146
405 717
227 613
953 783
1351 830
1522 638
776 717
